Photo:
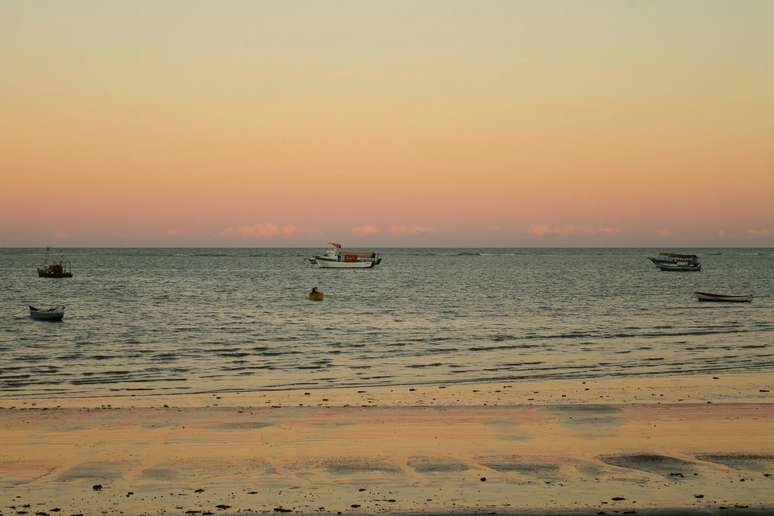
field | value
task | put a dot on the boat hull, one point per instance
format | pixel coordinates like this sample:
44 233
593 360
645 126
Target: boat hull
722 298
671 267
326 263
47 274
47 314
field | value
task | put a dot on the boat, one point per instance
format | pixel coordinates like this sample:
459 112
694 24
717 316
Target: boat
336 258
674 258
316 295
54 313
675 262
54 268
679 267
723 298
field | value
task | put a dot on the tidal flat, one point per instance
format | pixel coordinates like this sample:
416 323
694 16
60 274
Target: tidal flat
698 445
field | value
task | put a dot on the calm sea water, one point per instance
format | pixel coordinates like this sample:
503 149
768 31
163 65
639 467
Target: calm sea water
144 321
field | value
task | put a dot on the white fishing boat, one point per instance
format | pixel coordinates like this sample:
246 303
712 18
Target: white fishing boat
53 313
336 258
723 298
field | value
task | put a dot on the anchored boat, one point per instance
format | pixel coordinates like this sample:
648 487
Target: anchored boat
674 262
723 298
54 267
54 313
336 258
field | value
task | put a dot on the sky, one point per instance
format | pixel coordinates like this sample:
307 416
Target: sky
395 123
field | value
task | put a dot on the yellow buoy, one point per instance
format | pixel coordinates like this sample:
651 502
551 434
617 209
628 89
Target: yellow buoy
316 295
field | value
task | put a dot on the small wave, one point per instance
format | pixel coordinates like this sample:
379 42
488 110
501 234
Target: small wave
496 348
277 353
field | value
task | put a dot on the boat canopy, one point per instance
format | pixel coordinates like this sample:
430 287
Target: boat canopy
677 255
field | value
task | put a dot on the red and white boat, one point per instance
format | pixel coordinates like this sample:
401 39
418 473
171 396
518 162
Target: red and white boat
54 268
337 258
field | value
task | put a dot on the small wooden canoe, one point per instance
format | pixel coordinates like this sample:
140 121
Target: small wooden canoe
723 298
316 296
54 313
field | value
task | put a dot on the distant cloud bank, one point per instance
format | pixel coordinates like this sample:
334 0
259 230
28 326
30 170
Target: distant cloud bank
259 231
565 230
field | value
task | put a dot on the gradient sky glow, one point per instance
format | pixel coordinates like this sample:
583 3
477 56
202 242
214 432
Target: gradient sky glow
292 123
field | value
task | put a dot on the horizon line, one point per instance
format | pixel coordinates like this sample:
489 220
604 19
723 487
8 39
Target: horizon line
385 247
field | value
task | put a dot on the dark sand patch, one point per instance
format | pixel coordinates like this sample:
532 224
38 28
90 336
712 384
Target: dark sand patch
158 474
523 465
157 424
351 466
590 420
94 471
240 425
191 468
585 409
69 428
591 471
515 437
499 422
436 465
663 465
743 461
331 424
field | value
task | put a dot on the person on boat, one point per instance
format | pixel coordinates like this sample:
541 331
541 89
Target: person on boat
314 290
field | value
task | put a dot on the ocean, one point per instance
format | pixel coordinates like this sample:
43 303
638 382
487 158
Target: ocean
152 321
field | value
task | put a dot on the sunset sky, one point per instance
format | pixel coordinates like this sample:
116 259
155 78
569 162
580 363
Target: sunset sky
416 123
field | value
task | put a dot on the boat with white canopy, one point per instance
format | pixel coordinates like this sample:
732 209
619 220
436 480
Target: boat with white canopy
676 262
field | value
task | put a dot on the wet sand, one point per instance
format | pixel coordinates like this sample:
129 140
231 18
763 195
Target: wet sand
699 444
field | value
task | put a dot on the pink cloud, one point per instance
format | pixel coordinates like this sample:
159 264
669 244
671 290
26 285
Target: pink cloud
177 232
367 230
664 232
410 230
262 230
289 230
758 232
564 230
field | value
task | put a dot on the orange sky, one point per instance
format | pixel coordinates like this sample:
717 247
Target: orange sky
498 123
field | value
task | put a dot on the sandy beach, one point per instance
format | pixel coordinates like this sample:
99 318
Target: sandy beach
698 444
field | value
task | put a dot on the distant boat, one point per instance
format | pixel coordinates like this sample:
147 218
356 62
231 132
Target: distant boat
336 258
54 268
675 262
54 313
316 295
723 298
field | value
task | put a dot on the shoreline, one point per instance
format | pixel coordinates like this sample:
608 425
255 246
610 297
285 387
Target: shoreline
702 445
698 388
